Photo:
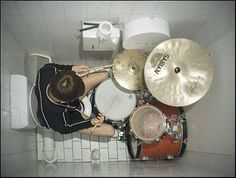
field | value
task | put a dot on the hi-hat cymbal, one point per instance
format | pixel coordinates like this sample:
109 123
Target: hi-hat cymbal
178 72
128 67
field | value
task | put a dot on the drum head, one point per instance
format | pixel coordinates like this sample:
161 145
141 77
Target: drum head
114 103
148 123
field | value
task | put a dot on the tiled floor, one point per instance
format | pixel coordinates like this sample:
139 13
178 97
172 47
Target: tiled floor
192 164
77 147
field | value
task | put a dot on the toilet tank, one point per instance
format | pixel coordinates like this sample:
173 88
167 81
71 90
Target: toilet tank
33 62
20 112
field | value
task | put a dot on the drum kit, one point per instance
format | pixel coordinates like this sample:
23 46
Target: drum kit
178 72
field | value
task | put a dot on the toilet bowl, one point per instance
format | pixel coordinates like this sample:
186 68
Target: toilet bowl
24 104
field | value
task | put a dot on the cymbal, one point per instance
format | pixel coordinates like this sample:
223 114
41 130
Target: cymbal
128 67
178 72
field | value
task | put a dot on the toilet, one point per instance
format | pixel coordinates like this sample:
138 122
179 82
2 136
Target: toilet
24 104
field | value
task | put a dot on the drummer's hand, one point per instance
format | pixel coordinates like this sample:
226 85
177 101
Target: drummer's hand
80 68
98 120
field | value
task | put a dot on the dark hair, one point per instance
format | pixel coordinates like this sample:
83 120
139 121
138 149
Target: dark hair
66 86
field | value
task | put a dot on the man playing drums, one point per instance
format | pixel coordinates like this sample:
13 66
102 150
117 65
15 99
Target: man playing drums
60 91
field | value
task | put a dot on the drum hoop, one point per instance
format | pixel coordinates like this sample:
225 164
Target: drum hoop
163 118
129 137
185 133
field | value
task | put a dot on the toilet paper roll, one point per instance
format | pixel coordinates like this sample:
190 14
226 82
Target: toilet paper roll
104 30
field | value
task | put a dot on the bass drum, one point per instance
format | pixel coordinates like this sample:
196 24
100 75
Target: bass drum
168 146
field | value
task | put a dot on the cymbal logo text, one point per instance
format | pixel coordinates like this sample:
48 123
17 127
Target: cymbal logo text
161 63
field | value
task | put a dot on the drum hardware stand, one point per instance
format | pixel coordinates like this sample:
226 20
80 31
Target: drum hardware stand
185 141
174 131
144 94
121 129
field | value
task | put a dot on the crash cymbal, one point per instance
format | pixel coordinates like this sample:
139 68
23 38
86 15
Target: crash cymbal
128 67
178 72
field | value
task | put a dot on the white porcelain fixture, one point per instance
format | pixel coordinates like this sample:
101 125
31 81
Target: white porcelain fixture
145 33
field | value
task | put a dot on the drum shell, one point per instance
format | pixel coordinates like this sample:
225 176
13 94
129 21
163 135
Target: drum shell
168 147
162 149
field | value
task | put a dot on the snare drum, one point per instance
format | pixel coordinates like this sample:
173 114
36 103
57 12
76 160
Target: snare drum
113 102
169 146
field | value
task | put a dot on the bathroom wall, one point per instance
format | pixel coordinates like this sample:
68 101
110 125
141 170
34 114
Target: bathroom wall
18 148
211 121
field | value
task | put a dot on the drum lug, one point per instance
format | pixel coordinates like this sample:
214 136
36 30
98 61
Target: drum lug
185 141
182 117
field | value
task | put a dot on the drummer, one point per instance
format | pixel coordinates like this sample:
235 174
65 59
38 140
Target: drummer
60 91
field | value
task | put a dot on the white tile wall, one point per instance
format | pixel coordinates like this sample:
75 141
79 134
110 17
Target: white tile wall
68 155
112 147
5 102
219 23
103 142
51 26
9 8
5 121
217 35
104 154
57 21
86 155
220 100
85 141
77 150
17 147
68 141
49 8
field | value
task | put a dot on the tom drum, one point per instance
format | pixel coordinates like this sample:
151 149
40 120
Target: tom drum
171 132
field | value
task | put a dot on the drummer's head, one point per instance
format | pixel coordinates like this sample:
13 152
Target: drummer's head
66 86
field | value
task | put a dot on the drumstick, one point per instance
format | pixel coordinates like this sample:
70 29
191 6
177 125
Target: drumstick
93 129
93 70
103 114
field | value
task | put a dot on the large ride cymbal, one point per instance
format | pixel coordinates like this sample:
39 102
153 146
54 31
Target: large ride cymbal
128 68
178 72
